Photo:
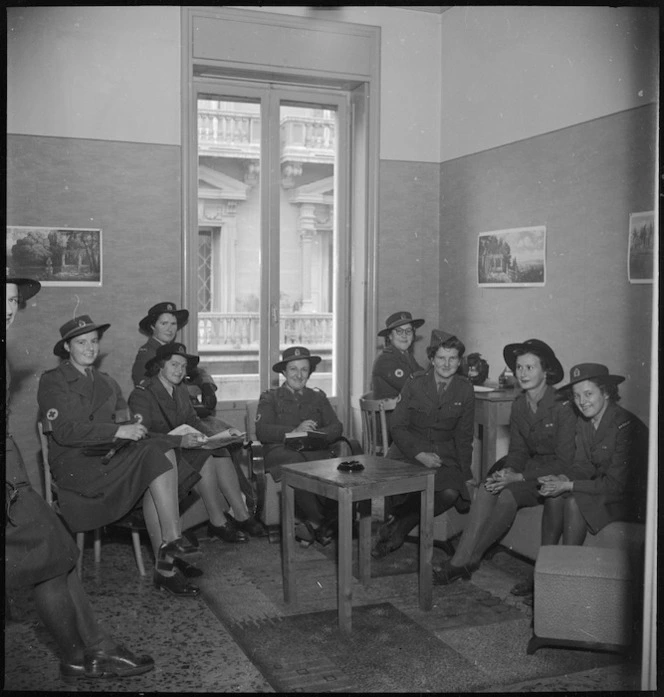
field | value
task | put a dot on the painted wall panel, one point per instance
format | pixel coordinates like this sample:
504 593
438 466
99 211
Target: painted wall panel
131 192
511 72
581 183
108 73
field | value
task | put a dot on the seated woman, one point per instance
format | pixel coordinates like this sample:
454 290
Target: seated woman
162 403
396 363
86 413
608 475
541 442
432 425
162 324
40 553
294 407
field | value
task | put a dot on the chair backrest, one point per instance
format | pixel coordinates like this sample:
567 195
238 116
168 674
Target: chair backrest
250 419
48 481
375 435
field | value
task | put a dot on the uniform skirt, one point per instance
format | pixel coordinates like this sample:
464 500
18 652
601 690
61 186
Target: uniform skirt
92 494
38 547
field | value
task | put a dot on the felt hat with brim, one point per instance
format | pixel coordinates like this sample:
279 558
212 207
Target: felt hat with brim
76 327
397 320
173 349
181 316
27 287
539 349
295 353
438 337
589 371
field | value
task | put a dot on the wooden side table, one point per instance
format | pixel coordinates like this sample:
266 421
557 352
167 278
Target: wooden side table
380 477
492 409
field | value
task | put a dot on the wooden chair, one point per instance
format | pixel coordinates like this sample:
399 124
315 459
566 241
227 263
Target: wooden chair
375 434
50 487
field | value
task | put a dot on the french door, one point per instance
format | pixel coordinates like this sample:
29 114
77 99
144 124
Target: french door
267 248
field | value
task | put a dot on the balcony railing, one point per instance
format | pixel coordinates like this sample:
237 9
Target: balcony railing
238 331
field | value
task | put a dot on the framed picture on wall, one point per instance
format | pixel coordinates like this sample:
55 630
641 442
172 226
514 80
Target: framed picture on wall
512 258
640 251
55 256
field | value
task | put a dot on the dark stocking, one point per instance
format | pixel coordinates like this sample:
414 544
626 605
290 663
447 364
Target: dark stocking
553 520
409 510
496 526
58 612
575 530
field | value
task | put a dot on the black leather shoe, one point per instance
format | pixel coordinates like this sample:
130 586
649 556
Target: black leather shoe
251 526
391 536
187 569
176 585
72 670
448 573
227 533
119 662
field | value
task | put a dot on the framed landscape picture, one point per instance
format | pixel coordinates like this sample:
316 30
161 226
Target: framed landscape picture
641 247
55 256
512 258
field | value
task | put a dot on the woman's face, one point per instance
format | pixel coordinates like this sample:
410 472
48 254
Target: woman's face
446 362
402 337
174 370
83 349
165 328
589 398
529 372
12 303
297 374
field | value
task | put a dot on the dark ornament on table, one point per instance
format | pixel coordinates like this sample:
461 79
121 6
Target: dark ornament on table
475 368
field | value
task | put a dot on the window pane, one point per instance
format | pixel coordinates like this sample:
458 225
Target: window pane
307 234
229 274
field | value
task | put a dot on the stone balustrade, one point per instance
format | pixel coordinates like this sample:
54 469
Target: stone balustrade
239 331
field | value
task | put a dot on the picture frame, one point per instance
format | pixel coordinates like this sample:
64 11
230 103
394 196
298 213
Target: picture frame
513 258
641 247
55 256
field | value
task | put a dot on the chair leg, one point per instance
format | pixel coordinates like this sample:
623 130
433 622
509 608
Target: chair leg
136 540
97 545
80 543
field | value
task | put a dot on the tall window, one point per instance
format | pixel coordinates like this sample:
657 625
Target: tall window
270 230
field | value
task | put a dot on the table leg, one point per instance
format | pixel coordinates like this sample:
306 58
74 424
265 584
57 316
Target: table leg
364 542
288 541
426 545
345 580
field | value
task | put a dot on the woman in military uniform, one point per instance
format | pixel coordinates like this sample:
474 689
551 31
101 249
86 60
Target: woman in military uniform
432 425
608 475
40 552
294 407
396 363
102 464
162 403
162 323
542 430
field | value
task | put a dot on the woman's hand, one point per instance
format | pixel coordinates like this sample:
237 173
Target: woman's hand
307 425
554 484
193 440
131 432
497 481
430 460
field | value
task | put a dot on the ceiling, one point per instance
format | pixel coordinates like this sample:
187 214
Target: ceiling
426 8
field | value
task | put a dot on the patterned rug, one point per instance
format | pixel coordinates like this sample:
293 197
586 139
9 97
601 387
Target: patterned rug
472 640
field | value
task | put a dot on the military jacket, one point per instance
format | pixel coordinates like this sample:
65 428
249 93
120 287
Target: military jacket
161 413
542 442
610 467
423 421
280 411
196 376
391 370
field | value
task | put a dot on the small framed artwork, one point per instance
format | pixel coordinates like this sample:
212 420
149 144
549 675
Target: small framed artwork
512 258
641 247
55 256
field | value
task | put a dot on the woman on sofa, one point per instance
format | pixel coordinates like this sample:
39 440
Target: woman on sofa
608 474
542 428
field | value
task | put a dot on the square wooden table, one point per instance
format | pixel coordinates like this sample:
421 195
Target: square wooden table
379 478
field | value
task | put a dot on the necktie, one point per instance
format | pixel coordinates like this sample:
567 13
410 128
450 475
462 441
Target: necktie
441 388
88 373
